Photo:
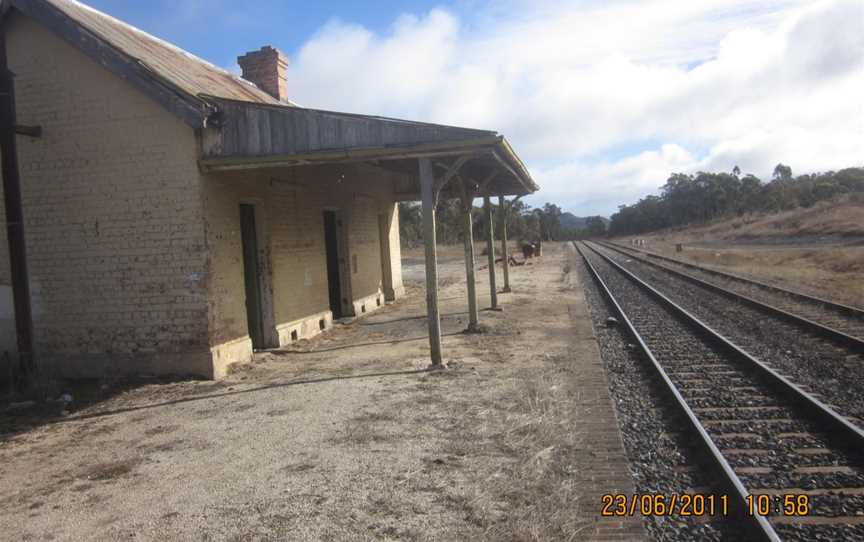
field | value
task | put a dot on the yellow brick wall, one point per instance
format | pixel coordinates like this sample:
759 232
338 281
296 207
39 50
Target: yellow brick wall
292 250
289 212
135 257
391 211
113 216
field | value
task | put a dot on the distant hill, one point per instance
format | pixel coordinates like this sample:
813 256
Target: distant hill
571 221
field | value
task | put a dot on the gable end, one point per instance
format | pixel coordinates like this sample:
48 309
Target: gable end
192 110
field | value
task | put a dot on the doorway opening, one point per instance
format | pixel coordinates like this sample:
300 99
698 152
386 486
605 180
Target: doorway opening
334 282
252 275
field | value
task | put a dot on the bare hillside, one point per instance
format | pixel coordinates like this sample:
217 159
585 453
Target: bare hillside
819 250
839 221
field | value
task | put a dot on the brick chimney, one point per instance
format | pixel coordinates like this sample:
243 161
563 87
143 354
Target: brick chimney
268 69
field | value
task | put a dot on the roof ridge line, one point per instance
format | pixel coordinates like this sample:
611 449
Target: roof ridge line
163 42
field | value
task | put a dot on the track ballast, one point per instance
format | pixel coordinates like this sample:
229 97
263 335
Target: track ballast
764 434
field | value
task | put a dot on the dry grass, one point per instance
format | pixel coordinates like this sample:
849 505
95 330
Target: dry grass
819 250
833 272
530 495
838 219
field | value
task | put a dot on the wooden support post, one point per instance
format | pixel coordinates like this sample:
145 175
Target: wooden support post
468 234
15 220
505 256
433 316
490 248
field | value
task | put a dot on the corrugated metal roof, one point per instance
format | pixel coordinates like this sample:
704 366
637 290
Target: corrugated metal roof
181 68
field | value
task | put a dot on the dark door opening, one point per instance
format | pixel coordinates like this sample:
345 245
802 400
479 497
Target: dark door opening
331 242
252 275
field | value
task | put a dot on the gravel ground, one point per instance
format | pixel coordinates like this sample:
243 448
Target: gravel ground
345 437
817 364
706 380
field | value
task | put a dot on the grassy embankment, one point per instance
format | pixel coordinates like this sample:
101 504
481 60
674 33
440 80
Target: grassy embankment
819 250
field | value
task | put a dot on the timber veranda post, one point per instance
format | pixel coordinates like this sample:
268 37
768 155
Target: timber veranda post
15 220
433 316
503 213
468 235
490 249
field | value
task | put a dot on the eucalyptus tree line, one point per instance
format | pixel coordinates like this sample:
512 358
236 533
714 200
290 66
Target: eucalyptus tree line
690 199
524 223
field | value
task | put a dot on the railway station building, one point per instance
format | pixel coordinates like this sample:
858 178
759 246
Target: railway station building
177 217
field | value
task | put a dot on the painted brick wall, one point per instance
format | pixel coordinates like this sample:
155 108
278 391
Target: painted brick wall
114 226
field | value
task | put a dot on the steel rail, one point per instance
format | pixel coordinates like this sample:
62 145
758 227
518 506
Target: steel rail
758 525
849 310
844 430
856 344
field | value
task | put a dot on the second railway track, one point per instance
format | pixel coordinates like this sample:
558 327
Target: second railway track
765 435
833 370
845 319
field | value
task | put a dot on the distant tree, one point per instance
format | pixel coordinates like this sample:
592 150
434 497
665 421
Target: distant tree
750 188
686 199
782 173
517 220
532 227
595 227
410 224
550 222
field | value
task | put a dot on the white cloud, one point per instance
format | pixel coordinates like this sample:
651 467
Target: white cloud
605 184
603 100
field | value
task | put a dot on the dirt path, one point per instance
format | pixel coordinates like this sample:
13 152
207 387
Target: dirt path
345 438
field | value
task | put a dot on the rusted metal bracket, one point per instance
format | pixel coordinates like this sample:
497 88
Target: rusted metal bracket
30 131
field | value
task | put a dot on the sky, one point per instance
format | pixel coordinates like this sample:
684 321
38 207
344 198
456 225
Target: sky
602 100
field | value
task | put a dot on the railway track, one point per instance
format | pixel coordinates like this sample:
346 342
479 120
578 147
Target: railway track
765 437
846 322
825 362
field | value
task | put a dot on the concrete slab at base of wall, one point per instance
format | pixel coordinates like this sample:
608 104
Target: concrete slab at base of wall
110 366
227 354
396 293
370 303
214 364
304 328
